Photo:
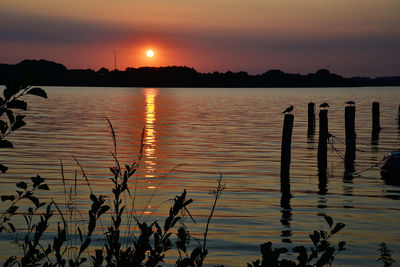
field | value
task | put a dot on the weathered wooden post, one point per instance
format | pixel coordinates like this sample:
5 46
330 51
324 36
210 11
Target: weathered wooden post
311 118
323 141
376 127
285 180
286 146
374 138
350 112
398 116
375 117
322 183
286 211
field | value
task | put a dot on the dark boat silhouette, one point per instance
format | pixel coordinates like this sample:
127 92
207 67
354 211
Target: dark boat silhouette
391 166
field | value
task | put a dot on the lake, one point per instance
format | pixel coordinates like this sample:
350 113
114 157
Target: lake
192 135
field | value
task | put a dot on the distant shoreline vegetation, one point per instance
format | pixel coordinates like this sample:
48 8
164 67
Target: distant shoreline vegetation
48 73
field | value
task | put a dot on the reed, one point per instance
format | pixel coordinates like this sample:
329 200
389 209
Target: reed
143 243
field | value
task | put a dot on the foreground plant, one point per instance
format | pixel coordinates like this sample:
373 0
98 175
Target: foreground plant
35 250
145 245
147 249
385 255
199 253
10 102
322 253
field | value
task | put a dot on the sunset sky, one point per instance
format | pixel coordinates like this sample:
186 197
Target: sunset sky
349 37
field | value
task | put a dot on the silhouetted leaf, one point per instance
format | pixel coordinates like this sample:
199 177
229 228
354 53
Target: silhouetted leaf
10 261
159 231
188 202
103 210
91 226
38 92
174 221
6 144
26 219
5 198
315 238
34 200
326 257
313 255
22 185
80 233
12 209
341 245
18 104
19 122
195 254
93 198
10 116
85 245
8 93
323 234
43 187
114 171
302 258
3 168
166 237
329 220
182 239
339 226
167 223
37 181
3 126
11 227
282 250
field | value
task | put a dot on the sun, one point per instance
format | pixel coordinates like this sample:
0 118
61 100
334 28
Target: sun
150 53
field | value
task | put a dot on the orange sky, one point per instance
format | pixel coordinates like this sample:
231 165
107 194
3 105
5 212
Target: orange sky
352 37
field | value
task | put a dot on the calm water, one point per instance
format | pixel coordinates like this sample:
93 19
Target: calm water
201 132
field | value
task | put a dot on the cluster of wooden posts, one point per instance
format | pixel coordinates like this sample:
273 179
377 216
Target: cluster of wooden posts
350 112
324 135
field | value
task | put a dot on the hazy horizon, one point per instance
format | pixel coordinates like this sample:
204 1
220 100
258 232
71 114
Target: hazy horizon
357 38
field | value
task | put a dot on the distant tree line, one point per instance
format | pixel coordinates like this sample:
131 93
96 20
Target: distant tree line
51 73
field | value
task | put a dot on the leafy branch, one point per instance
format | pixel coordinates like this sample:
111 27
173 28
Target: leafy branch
8 104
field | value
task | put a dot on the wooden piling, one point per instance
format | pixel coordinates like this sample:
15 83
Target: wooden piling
322 183
311 118
375 117
285 171
286 146
398 116
323 141
286 211
375 138
350 112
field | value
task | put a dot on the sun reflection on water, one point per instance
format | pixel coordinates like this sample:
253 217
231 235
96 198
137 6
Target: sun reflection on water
150 133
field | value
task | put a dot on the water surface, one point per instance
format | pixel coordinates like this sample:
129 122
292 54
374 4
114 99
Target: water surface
192 135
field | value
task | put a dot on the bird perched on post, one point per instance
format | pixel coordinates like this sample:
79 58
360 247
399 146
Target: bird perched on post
324 105
289 109
350 103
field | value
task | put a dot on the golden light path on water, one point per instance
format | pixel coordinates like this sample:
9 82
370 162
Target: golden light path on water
150 134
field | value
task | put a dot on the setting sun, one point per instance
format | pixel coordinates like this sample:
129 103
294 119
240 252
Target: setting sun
150 53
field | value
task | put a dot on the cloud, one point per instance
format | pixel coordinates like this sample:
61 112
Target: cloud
47 29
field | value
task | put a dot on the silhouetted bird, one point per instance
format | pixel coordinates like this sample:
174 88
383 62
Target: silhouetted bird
289 109
350 103
324 105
